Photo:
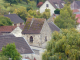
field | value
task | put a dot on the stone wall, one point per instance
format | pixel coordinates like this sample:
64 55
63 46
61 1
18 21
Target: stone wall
45 32
36 39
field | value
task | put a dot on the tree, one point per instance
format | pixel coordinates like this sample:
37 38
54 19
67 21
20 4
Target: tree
57 11
5 21
12 1
11 51
46 14
66 19
22 13
64 45
27 1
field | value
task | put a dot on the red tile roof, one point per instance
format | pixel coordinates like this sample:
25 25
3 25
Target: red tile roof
8 29
33 28
78 16
39 4
75 10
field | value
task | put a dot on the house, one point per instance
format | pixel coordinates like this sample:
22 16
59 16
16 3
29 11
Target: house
6 29
52 5
75 5
21 45
17 21
37 31
17 31
78 21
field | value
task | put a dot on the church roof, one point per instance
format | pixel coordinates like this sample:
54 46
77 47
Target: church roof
58 2
21 44
53 27
33 26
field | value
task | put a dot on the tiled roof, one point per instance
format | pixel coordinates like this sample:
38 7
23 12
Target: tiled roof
75 5
53 27
21 45
21 26
14 18
75 10
9 35
7 29
58 2
78 16
33 26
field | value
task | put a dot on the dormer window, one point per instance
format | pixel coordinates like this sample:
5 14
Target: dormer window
47 5
57 5
62 4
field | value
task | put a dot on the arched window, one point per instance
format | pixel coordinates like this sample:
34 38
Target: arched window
45 38
31 39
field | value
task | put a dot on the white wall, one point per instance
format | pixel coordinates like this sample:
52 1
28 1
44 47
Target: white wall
43 7
17 32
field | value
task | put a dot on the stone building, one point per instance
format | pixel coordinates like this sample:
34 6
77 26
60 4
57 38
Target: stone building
37 31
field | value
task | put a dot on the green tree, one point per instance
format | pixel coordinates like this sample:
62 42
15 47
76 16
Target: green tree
66 19
12 1
27 1
46 14
22 13
11 51
5 21
57 11
64 45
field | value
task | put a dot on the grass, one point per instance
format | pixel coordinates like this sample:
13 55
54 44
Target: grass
24 4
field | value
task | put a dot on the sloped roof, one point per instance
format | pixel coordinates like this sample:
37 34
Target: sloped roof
10 35
53 27
7 29
75 5
78 16
21 26
21 45
14 18
53 2
75 10
33 26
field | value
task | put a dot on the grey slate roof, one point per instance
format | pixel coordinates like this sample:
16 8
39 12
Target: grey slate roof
53 2
53 27
21 45
8 35
75 5
14 18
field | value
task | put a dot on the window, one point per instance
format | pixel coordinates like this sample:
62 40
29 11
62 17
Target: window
62 4
47 5
31 39
45 38
57 5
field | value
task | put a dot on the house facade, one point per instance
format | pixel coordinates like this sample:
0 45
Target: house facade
52 5
38 31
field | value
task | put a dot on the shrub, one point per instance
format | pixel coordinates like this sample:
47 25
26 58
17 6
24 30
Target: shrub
57 11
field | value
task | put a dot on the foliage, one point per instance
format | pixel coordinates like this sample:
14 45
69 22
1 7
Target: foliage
66 19
12 1
21 12
5 21
46 14
27 1
64 45
3 58
29 8
11 51
57 11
